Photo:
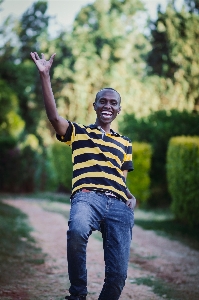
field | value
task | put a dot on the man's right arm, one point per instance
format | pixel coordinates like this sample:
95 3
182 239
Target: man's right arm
60 124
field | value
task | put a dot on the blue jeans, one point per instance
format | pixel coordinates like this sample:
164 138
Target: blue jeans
95 211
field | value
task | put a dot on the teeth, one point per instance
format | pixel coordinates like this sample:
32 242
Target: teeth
106 113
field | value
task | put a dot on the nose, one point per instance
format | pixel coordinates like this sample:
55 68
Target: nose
107 104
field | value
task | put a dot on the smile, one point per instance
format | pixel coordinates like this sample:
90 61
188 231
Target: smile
106 113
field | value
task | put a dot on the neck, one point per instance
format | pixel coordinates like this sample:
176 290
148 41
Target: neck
105 127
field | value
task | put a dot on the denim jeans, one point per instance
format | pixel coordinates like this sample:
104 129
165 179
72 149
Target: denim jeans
95 211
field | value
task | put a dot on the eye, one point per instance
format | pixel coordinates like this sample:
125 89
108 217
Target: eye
102 101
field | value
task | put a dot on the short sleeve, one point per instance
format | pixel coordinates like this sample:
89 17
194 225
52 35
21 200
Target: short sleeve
128 163
68 135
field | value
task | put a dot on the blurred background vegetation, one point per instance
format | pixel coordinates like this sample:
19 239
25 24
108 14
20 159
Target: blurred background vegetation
155 68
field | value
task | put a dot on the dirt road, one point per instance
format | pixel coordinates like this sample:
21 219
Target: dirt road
159 268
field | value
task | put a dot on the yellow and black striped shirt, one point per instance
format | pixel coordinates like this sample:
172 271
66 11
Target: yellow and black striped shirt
98 158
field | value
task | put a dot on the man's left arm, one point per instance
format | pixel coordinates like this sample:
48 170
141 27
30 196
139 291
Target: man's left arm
131 202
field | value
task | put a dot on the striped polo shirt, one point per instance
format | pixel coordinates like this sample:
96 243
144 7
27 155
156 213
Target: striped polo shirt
98 158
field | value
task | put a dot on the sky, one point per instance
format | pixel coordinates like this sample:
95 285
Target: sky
64 10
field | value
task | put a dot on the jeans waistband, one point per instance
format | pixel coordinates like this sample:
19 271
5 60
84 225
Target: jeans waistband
107 193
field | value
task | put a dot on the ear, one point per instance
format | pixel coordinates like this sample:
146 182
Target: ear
94 105
119 110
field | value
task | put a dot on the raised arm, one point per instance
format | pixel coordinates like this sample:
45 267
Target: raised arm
60 124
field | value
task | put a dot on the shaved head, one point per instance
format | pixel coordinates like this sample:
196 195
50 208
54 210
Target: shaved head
104 89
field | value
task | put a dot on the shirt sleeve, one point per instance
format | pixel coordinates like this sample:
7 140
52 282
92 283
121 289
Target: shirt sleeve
128 163
67 138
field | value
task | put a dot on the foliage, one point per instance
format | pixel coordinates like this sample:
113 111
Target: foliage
62 160
24 168
174 54
33 25
156 130
105 46
106 49
193 5
183 178
10 121
138 181
17 72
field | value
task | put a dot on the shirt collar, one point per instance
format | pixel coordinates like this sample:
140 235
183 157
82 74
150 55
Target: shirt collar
94 126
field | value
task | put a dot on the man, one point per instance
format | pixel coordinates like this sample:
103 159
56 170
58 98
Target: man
100 199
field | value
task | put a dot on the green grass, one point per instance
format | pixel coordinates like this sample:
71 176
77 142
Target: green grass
47 196
159 287
17 250
53 197
57 207
163 222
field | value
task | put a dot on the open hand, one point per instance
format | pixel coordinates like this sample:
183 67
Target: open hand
42 64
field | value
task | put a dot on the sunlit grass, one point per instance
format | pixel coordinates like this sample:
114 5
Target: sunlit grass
54 197
17 250
164 224
159 287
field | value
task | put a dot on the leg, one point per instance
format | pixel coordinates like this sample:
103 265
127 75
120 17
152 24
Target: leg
83 219
117 234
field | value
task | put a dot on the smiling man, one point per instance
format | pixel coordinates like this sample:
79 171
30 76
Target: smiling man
100 199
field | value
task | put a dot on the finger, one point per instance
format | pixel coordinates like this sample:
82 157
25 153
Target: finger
33 56
42 56
52 58
36 55
128 203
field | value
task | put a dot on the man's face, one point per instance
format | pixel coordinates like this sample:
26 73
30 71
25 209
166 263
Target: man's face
107 106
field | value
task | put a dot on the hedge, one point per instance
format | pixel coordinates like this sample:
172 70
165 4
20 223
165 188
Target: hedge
23 168
138 181
183 178
62 161
157 129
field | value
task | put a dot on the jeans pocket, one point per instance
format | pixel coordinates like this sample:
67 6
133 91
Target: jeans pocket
83 197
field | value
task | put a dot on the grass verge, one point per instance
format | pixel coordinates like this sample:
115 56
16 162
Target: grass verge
18 252
53 197
164 224
159 287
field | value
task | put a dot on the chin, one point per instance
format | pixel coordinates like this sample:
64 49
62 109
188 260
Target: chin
106 121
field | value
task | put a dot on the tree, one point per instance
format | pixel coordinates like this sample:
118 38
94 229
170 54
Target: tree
105 48
193 5
33 36
11 123
174 55
32 26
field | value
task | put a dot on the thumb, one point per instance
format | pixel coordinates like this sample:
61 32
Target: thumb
52 58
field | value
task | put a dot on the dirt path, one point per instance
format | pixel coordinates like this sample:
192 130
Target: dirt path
155 261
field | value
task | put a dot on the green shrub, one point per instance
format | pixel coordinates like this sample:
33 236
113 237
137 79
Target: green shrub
24 168
183 178
157 129
138 181
62 161
37 171
45 178
11 172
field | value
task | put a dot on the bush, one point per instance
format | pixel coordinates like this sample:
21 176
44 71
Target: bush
138 181
62 161
183 178
157 129
25 168
8 163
